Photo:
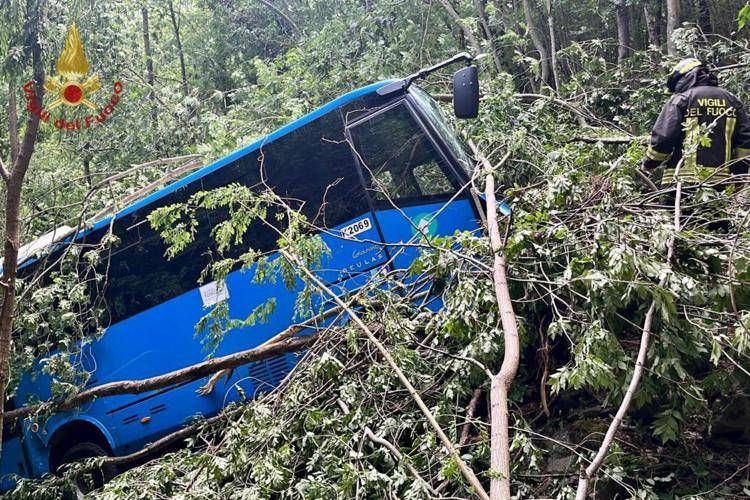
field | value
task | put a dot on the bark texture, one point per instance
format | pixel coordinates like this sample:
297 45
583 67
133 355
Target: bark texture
14 178
539 44
623 31
651 17
673 21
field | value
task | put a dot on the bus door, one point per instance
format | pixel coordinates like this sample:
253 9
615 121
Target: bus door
416 193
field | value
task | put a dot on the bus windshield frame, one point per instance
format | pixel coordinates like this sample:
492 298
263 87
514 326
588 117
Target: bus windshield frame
430 110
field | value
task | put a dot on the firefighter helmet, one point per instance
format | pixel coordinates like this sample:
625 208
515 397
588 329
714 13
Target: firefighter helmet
680 70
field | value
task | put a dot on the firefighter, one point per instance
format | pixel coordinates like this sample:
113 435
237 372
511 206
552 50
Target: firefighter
698 100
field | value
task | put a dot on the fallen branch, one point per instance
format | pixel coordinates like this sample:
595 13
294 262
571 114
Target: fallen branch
470 410
609 140
216 365
264 351
171 175
564 104
465 430
589 472
465 470
160 444
732 66
390 447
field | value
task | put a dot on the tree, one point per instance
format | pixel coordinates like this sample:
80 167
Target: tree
703 11
150 79
14 176
552 43
539 44
180 52
673 20
651 11
488 34
623 31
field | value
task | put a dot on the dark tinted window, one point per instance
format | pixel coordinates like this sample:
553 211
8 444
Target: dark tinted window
313 168
399 159
431 110
139 263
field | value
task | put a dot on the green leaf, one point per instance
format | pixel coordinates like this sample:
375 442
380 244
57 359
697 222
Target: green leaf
743 17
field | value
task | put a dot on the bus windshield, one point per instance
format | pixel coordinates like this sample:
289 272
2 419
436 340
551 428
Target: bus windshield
439 122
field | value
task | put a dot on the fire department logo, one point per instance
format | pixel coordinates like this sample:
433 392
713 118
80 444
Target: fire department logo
72 86
69 85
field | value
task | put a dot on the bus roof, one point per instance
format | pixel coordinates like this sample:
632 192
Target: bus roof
221 162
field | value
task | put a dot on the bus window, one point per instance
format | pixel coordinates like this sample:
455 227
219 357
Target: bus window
400 160
313 168
431 110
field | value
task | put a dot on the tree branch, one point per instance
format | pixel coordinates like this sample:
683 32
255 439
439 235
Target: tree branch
4 171
465 470
588 473
390 447
284 15
608 140
464 29
269 349
502 381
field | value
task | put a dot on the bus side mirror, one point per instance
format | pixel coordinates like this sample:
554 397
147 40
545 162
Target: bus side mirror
466 92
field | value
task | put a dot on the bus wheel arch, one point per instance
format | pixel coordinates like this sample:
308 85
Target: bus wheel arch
72 436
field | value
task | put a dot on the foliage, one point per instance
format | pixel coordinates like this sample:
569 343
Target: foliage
743 16
586 254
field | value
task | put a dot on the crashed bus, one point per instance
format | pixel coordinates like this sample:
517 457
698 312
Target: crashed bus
377 165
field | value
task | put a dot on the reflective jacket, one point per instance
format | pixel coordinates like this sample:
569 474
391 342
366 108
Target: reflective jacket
699 101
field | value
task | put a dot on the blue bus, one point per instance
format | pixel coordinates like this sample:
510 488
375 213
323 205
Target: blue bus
373 168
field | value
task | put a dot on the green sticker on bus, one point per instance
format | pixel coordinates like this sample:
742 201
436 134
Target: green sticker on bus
426 222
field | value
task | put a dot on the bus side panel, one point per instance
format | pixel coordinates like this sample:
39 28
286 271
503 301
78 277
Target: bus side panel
163 339
312 164
13 462
436 219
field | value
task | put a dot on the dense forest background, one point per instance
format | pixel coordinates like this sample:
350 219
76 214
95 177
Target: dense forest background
569 89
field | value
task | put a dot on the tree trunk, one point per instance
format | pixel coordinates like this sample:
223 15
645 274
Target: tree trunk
538 42
652 24
14 179
673 20
488 35
704 16
502 381
552 44
500 440
13 120
623 32
149 65
465 30
180 53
